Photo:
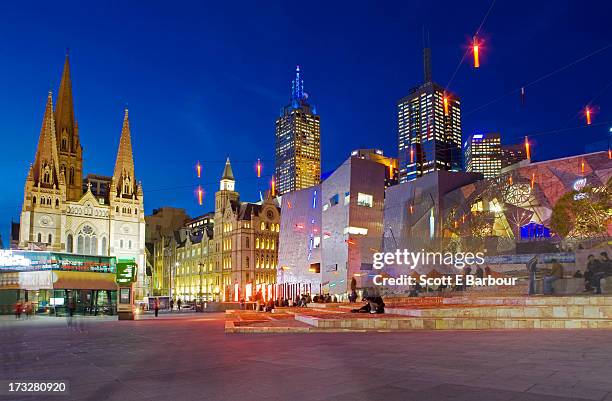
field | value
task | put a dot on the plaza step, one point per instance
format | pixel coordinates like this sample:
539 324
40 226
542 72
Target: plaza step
452 323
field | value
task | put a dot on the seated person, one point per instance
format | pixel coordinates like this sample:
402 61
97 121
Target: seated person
364 309
593 275
376 305
555 274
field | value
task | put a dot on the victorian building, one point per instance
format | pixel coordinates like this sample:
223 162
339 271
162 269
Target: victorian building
227 255
61 213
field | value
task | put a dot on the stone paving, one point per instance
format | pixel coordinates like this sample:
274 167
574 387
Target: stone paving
188 357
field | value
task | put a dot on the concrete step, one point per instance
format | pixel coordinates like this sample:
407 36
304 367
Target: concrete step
588 299
511 311
452 323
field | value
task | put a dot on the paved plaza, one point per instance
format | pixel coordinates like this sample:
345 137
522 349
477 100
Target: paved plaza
189 357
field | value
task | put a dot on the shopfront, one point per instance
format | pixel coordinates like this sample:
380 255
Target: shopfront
51 282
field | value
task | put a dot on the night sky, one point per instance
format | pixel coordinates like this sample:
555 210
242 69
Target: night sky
206 80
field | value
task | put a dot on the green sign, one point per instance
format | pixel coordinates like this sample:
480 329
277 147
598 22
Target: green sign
126 271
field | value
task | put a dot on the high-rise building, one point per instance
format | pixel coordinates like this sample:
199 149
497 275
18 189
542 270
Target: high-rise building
104 217
429 128
298 142
512 154
483 154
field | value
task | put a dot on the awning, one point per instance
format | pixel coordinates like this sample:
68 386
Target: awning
84 281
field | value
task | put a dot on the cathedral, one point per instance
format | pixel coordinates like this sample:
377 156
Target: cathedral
93 215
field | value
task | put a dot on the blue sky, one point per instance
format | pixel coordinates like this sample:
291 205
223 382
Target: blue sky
206 80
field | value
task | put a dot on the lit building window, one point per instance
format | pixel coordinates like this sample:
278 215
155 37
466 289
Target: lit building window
365 200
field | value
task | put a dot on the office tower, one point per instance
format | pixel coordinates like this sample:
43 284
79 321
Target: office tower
298 142
483 154
429 128
512 154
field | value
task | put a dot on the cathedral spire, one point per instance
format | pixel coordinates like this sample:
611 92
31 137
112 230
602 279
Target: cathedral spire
123 175
45 170
64 109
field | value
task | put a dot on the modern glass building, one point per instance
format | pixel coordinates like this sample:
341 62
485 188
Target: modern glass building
429 129
298 142
483 154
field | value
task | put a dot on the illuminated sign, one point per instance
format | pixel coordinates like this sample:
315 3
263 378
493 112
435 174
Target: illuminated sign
17 260
580 184
126 271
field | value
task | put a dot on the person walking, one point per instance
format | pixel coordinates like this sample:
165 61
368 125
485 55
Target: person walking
171 304
156 307
178 304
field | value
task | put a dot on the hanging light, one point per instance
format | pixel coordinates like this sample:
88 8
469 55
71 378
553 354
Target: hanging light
476 55
527 148
587 112
199 169
582 166
200 195
258 166
411 209
610 154
532 180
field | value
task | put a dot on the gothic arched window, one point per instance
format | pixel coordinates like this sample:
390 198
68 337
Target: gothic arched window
69 244
47 175
34 200
80 244
103 250
64 144
71 176
39 237
87 242
50 239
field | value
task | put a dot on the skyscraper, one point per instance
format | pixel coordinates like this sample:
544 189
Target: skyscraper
429 128
298 142
483 154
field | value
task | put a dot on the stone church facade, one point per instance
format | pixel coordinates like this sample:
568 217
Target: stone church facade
65 212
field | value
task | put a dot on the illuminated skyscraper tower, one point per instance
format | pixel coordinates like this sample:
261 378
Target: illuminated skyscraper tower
483 154
298 142
429 128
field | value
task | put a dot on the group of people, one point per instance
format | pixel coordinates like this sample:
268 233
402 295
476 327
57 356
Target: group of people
26 308
596 270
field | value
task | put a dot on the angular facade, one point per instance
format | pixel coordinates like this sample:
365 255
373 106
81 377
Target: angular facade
61 213
330 232
519 204
298 142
